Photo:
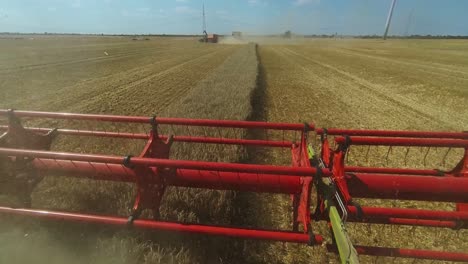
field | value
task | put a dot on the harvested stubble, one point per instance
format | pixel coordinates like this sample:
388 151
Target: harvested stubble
225 94
353 84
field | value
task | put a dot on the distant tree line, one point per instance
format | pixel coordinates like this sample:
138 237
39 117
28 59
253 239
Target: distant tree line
287 34
101 34
390 37
419 37
326 36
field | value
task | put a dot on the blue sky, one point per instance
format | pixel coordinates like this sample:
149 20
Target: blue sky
253 16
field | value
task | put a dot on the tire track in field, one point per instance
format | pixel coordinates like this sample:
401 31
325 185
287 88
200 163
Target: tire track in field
167 90
299 87
67 62
356 79
410 108
290 95
112 57
119 51
99 85
336 98
435 67
422 66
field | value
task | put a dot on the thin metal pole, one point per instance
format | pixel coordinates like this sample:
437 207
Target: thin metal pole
204 20
245 233
160 120
389 19
408 23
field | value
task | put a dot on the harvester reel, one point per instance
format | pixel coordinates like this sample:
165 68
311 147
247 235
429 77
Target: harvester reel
18 175
25 156
18 178
150 185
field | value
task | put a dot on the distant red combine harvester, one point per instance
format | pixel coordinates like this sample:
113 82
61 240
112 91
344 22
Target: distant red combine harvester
212 38
26 151
209 38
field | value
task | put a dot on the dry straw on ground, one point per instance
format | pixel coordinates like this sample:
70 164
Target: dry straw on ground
397 84
400 84
224 94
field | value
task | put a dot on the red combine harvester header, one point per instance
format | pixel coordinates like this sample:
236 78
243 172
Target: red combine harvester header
324 173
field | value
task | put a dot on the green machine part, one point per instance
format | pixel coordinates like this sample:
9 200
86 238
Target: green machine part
346 250
345 247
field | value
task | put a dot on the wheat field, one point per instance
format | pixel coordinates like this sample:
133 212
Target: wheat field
345 83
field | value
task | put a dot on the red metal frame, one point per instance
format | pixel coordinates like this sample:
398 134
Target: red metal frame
189 139
159 120
275 235
301 200
153 170
410 213
407 253
155 162
398 183
150 184
391 133
351 169
408 142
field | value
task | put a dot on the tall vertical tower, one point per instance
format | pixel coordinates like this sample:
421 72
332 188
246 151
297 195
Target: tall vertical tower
204 20
389 19
408 23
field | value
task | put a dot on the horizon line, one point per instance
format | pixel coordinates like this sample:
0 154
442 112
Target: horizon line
196 35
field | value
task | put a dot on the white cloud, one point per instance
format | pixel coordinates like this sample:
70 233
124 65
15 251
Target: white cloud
143 9
76 4
52 9
257 2
221 12
305 2
184 10
141 12
224 16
